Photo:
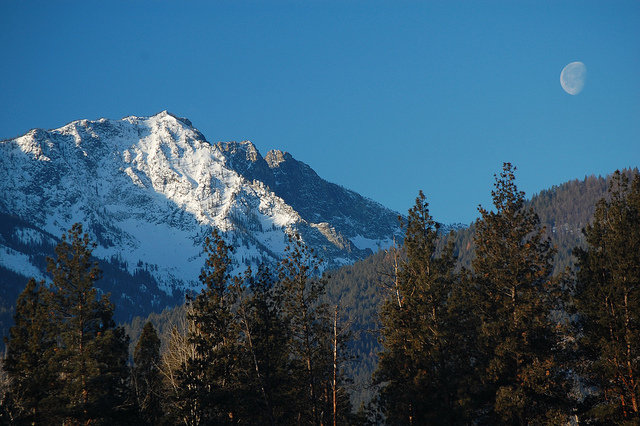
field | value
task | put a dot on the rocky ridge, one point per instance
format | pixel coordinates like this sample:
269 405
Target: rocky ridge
150 189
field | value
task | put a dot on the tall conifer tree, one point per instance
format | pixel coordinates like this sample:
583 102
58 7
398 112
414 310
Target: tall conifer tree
91 352
608 301
267 391
29 345
514 297
146 375
309 327
210 379
417 365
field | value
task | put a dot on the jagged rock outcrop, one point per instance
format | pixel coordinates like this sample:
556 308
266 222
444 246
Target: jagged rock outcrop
149 189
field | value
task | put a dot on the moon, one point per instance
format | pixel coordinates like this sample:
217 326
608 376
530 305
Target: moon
573 77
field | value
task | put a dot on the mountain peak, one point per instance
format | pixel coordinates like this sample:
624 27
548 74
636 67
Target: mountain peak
166 114
275 157
149 189
245 148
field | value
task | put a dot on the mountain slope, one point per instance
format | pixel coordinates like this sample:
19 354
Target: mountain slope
316 200
564 210
150 189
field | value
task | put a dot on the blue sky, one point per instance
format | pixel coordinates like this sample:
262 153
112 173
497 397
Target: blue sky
385 98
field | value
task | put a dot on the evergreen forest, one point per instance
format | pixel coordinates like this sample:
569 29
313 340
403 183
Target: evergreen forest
530 316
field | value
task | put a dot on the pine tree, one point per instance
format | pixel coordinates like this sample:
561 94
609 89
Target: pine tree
29 345
210 380
91 352
608 302
267 392
309 327
146 374
417 366
514 297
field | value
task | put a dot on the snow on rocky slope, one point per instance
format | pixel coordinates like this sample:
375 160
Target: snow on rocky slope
150 189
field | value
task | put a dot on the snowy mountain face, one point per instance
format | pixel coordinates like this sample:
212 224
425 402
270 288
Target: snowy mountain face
149 190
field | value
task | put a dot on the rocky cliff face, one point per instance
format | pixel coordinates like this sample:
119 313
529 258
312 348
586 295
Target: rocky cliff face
149 189
314 199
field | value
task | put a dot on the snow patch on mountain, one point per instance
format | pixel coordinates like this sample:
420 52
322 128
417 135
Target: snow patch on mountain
20 263
364 243
150 189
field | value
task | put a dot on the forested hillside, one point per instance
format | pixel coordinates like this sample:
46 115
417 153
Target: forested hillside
33 246
480 325
360 289
564 210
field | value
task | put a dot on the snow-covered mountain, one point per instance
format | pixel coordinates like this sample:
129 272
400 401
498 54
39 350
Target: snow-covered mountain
150 189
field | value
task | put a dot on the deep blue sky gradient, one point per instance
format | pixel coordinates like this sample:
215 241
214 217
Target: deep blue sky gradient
384 98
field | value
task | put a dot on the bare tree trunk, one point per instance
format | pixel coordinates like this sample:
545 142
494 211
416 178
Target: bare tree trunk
396 268
177 354
628 333
267 401
335 367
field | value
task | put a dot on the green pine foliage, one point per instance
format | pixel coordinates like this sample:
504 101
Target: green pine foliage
417 367
310 334
260 349
146 376
472 328
514 299
163 322
115 278
608 303
359 289
91 352
564 211
267 391
29 343
66 359
209 379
